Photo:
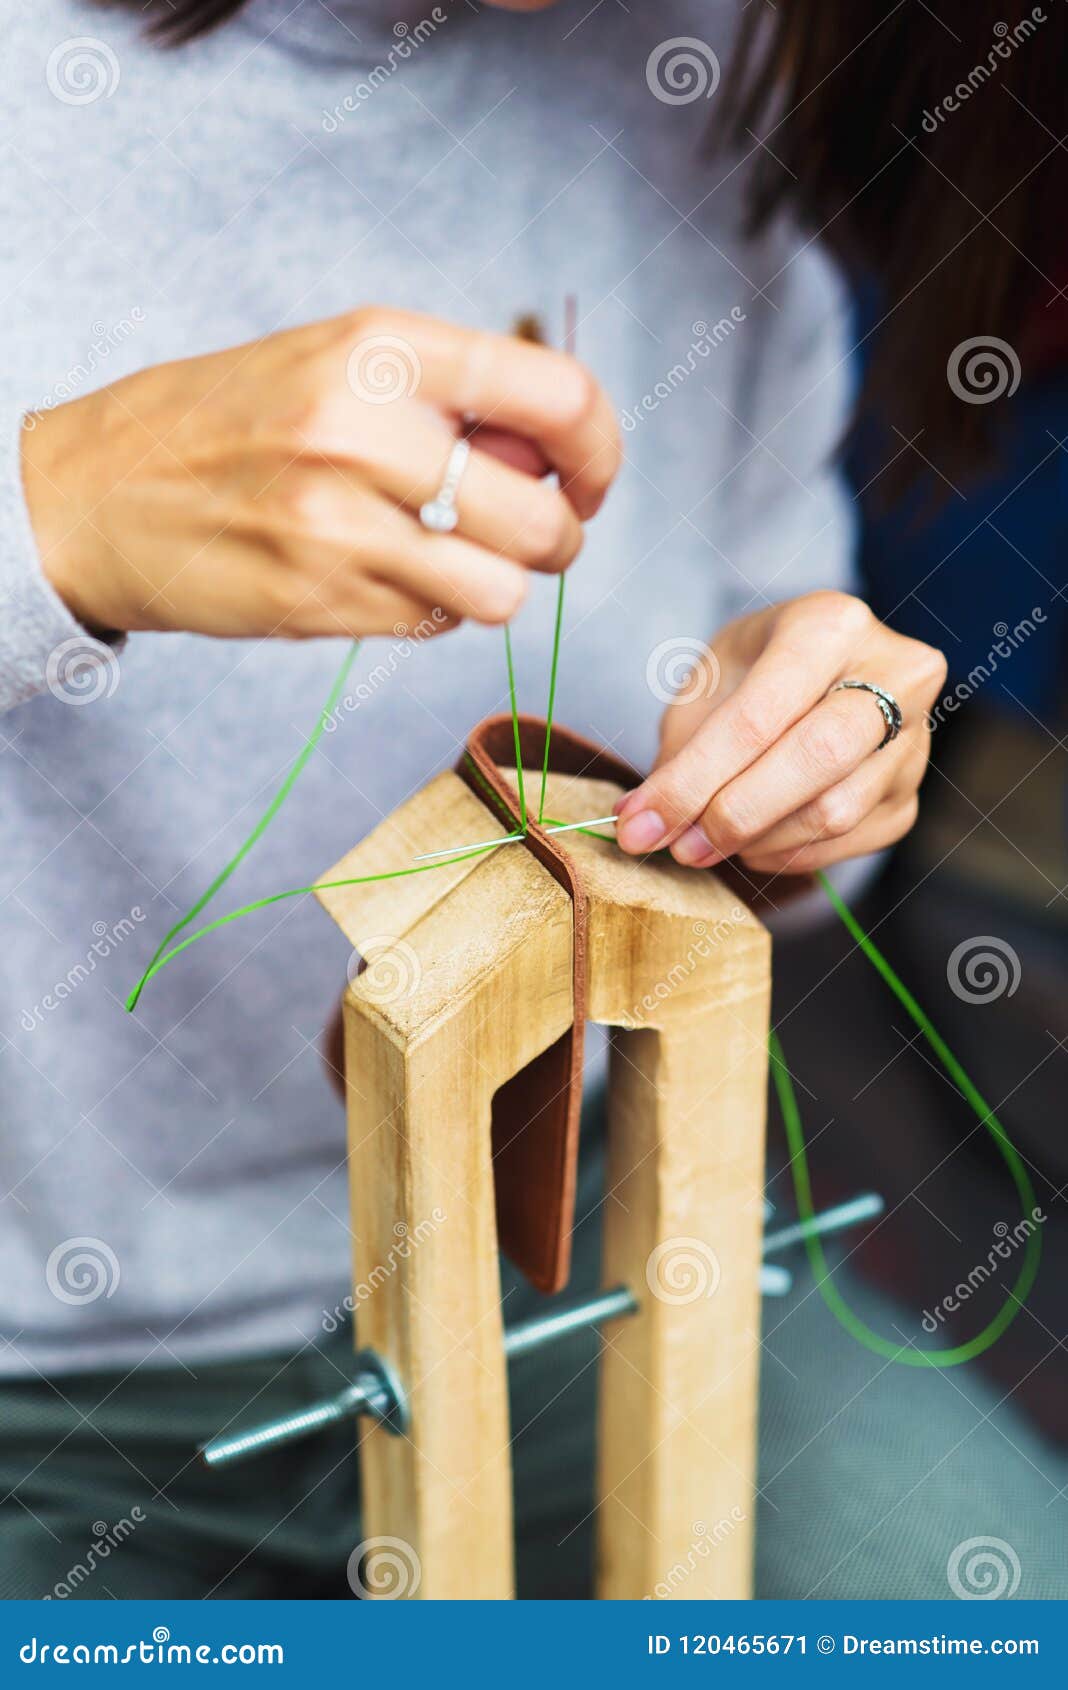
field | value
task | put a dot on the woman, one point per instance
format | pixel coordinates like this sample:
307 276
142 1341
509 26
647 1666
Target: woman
204 213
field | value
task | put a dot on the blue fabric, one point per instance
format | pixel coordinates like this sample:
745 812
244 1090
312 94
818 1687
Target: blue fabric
958 572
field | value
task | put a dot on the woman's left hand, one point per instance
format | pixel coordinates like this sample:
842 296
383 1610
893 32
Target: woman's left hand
761 759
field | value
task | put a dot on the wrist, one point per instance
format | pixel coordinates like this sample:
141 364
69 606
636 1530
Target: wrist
68 543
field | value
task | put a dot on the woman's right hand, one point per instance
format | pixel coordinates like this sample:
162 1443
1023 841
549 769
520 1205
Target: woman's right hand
274 488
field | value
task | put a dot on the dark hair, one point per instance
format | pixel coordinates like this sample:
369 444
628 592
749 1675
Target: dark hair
180 20
925 149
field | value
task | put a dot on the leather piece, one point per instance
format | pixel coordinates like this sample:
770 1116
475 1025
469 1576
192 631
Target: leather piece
536 1113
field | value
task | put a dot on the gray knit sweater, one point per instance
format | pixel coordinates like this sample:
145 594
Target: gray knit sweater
172 1183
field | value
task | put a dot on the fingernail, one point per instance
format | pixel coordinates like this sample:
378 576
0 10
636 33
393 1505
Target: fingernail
695 849
641 832
625 804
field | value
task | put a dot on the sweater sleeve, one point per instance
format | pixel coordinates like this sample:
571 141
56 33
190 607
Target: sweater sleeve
42 646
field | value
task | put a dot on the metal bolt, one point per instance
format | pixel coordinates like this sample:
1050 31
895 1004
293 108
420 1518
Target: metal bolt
843 1215
775 1281
375 1390
542 1329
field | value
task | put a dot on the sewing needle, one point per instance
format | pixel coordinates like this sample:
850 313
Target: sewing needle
511 838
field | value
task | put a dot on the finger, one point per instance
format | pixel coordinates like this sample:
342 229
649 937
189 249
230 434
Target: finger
546 396
340 532
843 807
802 658
464 579
497 506
885 826
511 449
839 734
360 607
378 607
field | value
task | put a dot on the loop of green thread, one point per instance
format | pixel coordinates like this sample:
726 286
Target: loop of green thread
905 1354
257 832
166 952
163 957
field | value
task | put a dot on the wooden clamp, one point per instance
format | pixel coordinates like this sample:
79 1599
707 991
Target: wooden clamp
463 1058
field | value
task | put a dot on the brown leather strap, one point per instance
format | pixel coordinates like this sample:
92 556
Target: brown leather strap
536 1113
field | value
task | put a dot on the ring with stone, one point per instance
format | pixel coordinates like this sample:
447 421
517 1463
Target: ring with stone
439 514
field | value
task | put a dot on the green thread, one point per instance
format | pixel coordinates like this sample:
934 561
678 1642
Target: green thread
161 961
590 832
257 832
857 1328
791 1114
552 694
515 728
166 952
494 797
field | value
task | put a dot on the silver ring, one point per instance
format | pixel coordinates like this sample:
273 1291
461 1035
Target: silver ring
889 707
439 514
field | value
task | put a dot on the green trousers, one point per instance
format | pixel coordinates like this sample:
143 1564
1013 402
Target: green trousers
875 1481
